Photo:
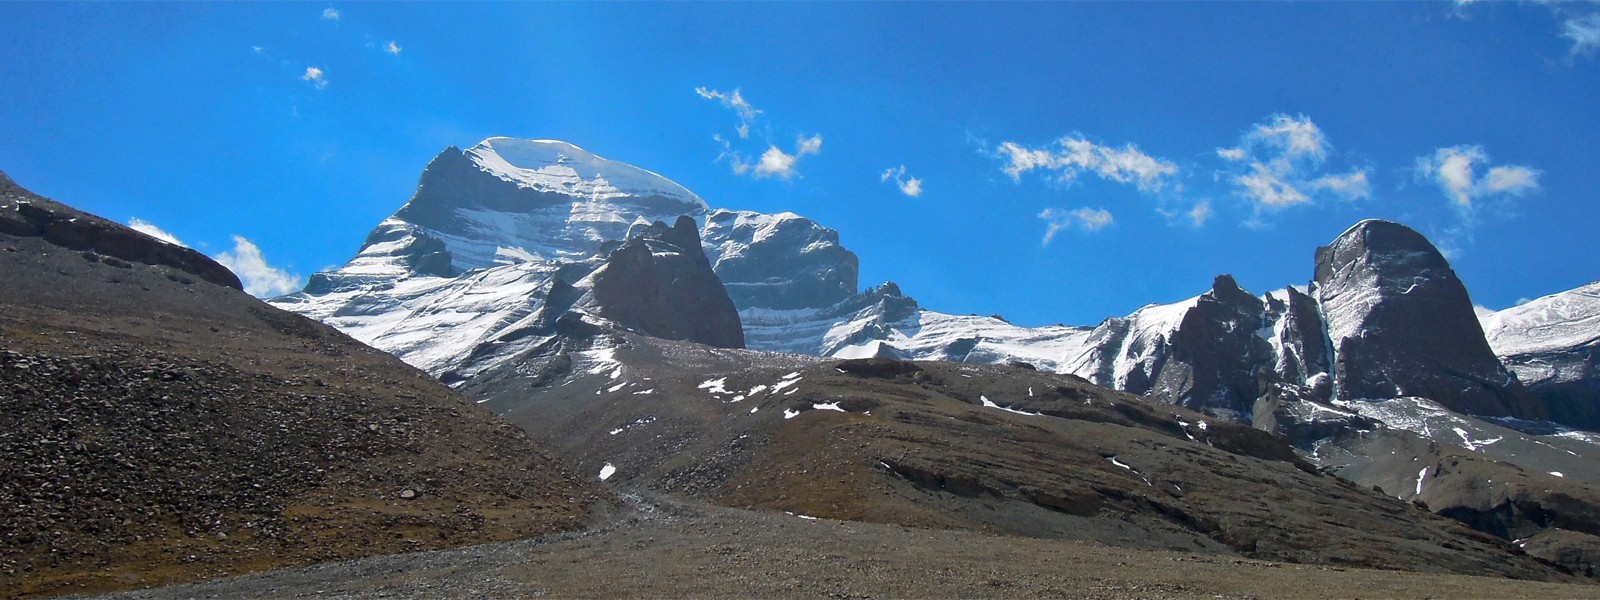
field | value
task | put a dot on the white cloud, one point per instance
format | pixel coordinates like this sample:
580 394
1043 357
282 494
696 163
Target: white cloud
331 14
910 186
1294 137
777 163
1200 214
1085 218
1267 184
1280 165
1453 169
260 278
1352 186
315 76
1073 155
392 48
148 228
1584 32
735 101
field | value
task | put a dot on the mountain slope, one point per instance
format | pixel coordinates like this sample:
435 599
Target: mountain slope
1553 346
941 445
159 427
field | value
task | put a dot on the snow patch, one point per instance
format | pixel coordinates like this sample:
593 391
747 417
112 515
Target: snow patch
990 404
607 471
715 386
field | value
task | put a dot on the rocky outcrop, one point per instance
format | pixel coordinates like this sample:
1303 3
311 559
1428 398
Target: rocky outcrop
1401 324
25 214
660 283
1216 362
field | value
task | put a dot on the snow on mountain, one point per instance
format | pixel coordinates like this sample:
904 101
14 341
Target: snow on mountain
474 257
559 167
433 323
507 200
779 262
1560 323
494 230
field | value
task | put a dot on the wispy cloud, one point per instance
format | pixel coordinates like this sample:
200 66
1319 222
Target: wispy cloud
1071 156
150 229
331 14
1454 170
1579 23
1085 218
733 100
260 278
910 186
316 77
1279 163
1584 31
1199 214
393 48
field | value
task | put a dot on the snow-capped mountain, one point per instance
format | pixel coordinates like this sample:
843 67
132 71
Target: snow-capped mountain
515 255
494 232
1553 346
502 240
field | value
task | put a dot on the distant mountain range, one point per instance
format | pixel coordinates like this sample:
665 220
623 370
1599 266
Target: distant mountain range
515 258
451 280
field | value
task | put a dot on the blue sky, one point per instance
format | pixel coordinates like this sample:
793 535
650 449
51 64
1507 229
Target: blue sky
1072 161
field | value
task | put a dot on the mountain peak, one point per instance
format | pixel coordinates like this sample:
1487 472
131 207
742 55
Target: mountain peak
554 165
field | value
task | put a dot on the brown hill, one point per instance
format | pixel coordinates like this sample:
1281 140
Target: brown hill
998 449
158 425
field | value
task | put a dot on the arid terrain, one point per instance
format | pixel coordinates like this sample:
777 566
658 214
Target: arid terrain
157 427
665 548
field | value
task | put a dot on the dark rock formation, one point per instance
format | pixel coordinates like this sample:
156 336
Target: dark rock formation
661 284
1303 357
1402 324
24 214
1215 360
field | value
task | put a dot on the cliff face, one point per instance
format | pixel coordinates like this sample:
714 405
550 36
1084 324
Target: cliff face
1401 324
660 283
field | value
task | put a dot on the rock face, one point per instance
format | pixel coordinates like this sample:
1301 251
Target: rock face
25 214
660 283
1553 346
1401 324
779 262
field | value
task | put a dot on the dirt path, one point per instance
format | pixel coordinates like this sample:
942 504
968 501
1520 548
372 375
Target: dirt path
671 548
